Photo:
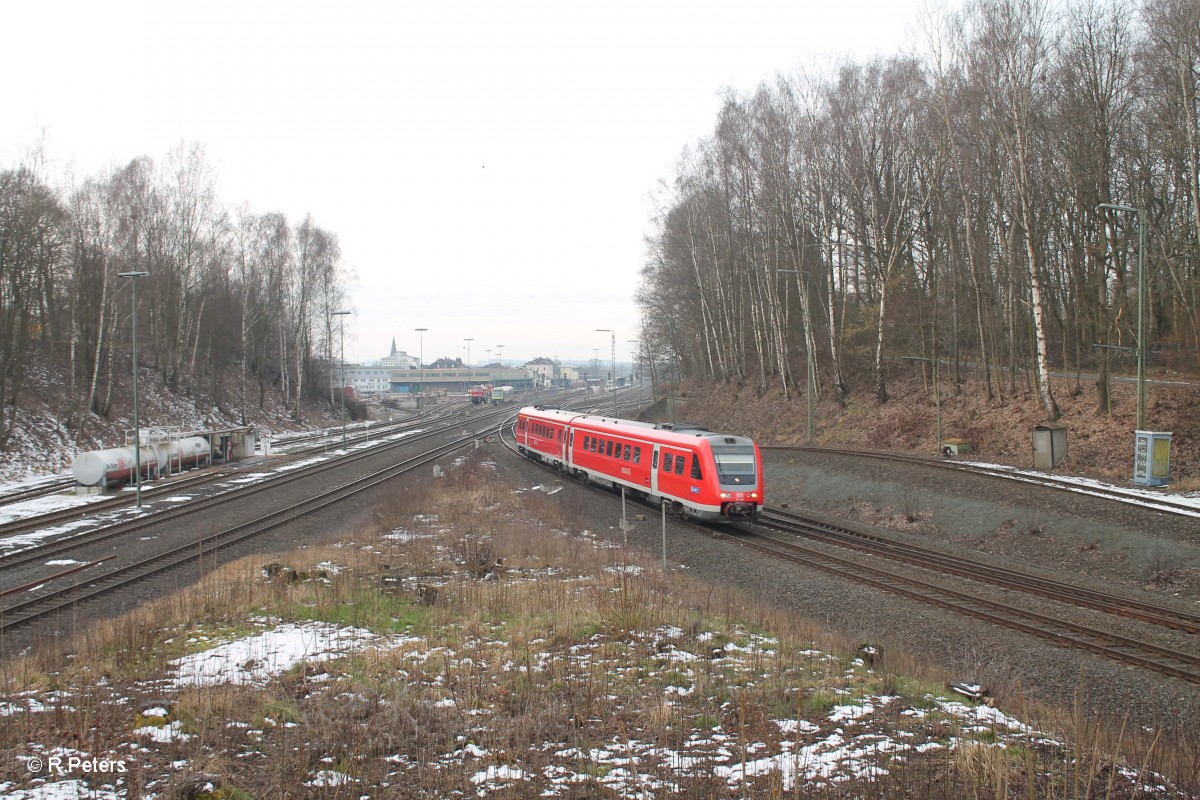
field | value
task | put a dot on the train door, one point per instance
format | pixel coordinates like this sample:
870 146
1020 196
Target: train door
654 471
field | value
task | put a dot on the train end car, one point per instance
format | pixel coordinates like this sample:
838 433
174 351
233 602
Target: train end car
543 434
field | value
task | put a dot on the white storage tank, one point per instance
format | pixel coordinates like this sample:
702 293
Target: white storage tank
114 467
111 467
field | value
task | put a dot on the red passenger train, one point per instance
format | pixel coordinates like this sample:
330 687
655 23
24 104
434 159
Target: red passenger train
695 472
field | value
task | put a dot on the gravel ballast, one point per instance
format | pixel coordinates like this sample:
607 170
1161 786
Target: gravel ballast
1074 538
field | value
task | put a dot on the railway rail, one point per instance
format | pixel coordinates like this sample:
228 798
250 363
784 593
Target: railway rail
1129 650
188 481
41 489
1115 494
69 598
1147 655
823 529
56 601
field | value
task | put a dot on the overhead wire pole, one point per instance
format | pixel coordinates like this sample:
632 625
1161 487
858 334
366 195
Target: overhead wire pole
137 424
470 375
421 358
1141 309
500 371
341 315
638 363
613 375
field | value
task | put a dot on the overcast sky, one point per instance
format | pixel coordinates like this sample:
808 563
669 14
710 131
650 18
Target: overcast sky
488 167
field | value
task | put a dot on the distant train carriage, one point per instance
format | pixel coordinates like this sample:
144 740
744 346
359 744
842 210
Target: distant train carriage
694 472
502 394
480 393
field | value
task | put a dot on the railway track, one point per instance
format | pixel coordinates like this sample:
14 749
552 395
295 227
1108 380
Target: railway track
1116 494
41 489
826 530
190 480
1146 655
20 565
69 598
122 575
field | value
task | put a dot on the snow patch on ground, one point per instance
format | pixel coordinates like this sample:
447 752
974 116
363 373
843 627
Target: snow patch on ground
255 659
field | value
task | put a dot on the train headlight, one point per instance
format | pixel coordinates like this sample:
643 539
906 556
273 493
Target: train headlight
754 495
724 495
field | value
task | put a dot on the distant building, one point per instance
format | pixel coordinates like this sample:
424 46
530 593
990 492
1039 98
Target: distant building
399 359
545 369
368 378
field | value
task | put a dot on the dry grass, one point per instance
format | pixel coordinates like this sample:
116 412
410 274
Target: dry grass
527 645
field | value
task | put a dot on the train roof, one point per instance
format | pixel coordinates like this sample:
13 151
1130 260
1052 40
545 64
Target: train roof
680 433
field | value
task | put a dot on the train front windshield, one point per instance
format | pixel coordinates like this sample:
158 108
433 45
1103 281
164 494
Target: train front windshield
735 466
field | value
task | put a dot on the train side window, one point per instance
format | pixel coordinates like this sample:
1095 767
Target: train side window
678 465
608 448
696 468
628 451
668 461
637 455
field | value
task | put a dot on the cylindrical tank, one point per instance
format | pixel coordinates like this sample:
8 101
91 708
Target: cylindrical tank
107 467
183 453
115 466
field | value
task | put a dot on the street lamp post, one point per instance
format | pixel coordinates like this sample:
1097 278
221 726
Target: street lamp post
1141 304
500 368
636 363
341 315
421 358
809 366
613 376
137 424
470 375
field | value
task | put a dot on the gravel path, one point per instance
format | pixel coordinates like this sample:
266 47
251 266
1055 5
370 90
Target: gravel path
1071 538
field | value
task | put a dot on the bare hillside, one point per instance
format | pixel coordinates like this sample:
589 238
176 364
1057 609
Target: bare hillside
46 439
1000 431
